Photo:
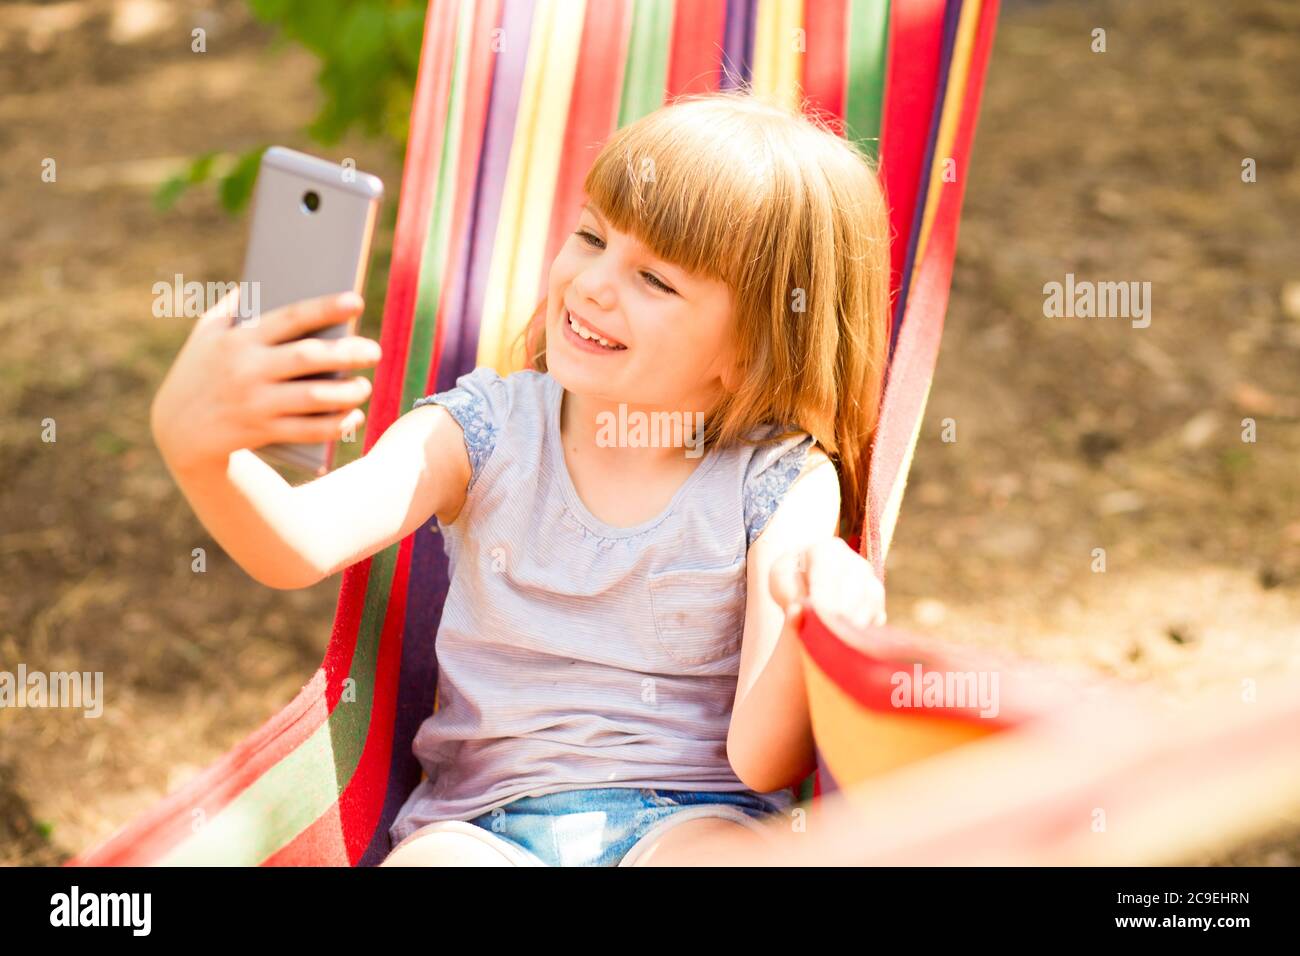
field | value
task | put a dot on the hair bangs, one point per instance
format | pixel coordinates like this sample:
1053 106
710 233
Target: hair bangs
646 182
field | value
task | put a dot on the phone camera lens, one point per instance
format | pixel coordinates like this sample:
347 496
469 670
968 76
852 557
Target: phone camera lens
311 200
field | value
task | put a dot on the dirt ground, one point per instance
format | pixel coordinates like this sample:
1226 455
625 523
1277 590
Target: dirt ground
1072 434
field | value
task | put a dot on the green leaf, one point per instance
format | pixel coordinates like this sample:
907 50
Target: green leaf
165 196
315 23
369 54
406 32
269 10
361 38
237 185
201 168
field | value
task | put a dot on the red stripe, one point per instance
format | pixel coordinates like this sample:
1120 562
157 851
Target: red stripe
912 78
593 112
869 678
419 182
319 845
695 56
825 70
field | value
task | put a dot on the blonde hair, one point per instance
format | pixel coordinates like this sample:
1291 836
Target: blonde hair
792 217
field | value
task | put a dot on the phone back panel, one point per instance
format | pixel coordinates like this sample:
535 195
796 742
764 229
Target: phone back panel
310 235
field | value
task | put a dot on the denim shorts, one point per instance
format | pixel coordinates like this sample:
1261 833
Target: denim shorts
600 826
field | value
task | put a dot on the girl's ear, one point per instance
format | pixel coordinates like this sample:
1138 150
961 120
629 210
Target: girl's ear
730 368
730 378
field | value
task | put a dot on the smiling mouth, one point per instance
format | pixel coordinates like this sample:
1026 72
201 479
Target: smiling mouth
583 332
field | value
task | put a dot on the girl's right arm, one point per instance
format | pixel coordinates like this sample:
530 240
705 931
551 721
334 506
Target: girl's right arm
231 390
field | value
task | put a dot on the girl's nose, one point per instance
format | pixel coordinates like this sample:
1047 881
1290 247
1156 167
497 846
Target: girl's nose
595 284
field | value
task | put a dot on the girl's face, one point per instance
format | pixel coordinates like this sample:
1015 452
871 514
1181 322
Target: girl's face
668 330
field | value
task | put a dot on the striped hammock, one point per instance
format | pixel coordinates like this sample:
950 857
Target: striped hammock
510 98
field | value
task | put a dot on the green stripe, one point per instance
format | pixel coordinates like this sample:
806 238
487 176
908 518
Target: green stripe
645 76
868 58
252 827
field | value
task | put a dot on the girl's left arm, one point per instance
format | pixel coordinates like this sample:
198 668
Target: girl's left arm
769 741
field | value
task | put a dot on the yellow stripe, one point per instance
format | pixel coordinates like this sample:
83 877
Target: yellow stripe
529 194
952 107
762 76
858 743
779 43
789 61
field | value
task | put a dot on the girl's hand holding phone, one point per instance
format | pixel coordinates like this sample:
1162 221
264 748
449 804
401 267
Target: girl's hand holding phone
231 386
836 582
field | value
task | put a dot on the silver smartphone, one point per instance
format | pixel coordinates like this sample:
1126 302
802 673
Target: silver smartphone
310 236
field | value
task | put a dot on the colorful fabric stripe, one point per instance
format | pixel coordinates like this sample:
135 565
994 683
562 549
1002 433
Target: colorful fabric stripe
512 98
911 368
917 27
947 38
868 39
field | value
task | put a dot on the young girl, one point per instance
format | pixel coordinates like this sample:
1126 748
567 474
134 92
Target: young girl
618 664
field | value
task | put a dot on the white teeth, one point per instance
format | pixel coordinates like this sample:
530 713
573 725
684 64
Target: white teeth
587 333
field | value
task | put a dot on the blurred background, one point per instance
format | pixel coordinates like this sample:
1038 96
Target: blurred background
1073 434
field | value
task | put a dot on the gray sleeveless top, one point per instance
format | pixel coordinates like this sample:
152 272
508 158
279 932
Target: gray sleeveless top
571 653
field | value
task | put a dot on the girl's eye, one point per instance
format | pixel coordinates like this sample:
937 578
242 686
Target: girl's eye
597 243
653 280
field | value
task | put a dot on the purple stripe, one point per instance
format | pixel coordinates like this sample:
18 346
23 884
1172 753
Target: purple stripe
738 43
951 14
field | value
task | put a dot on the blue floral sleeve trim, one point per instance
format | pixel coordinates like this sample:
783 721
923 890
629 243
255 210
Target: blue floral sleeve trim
763 493
471 413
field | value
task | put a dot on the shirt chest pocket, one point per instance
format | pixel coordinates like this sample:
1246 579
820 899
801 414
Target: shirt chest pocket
699 612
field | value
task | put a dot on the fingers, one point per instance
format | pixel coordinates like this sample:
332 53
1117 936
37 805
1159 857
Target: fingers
311 356
843 588
309 429
787 580
301 318
319 395
223 313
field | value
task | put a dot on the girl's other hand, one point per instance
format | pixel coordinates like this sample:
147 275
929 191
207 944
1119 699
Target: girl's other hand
230 386
836 582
